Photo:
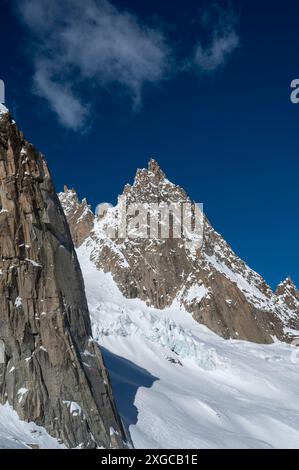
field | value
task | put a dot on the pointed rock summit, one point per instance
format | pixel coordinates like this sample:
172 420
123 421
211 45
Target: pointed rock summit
79 215
288 294
151 186
286 285
53 373
154 167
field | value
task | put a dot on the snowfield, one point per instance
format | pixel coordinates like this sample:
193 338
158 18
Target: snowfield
178 385
17 434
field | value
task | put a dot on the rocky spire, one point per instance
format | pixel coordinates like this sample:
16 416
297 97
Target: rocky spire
153 167
288 293
286 284
151 185
79 214
53 373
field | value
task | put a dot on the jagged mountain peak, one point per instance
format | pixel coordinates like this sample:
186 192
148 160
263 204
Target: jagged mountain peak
154 167
66 189
207 279
79 214
71 195
287 284
152 186
153 172
288 294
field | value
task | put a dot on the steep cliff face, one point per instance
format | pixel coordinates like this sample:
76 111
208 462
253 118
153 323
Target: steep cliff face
53 372
207 278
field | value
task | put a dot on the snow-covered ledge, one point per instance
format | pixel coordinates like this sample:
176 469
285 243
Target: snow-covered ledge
3 109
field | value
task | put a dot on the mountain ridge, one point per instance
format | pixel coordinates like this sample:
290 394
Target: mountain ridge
213 283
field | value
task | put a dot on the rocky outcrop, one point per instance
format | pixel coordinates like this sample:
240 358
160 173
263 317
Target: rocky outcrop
79 215
53 372
288 292
287 295
208 278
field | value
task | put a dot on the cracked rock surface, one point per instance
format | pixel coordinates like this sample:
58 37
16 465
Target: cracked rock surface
53 372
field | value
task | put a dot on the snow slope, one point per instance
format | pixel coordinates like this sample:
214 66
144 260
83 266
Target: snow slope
17 434
178 385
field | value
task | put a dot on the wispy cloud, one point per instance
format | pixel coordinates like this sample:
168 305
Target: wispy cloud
223 39
90 42
81 47
69 109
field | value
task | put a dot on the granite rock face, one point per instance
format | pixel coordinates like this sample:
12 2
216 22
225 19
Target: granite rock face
79 215
53 372
208 279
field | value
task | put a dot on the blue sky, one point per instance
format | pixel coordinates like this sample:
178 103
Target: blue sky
205 89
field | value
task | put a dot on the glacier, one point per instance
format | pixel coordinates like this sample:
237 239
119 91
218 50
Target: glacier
179 385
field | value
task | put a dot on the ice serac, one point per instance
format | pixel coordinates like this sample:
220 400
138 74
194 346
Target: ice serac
53 373
209 280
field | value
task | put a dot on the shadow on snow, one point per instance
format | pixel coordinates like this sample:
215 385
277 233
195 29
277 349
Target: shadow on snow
126 378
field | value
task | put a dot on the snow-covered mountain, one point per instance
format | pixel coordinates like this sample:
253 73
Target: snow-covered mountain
209 281
178 323
179 385
156 306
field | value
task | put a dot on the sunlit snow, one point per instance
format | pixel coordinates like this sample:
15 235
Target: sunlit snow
17 434
178 385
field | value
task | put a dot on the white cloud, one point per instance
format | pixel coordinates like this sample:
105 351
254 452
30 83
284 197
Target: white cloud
90 43
223 39
69 109
83 46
